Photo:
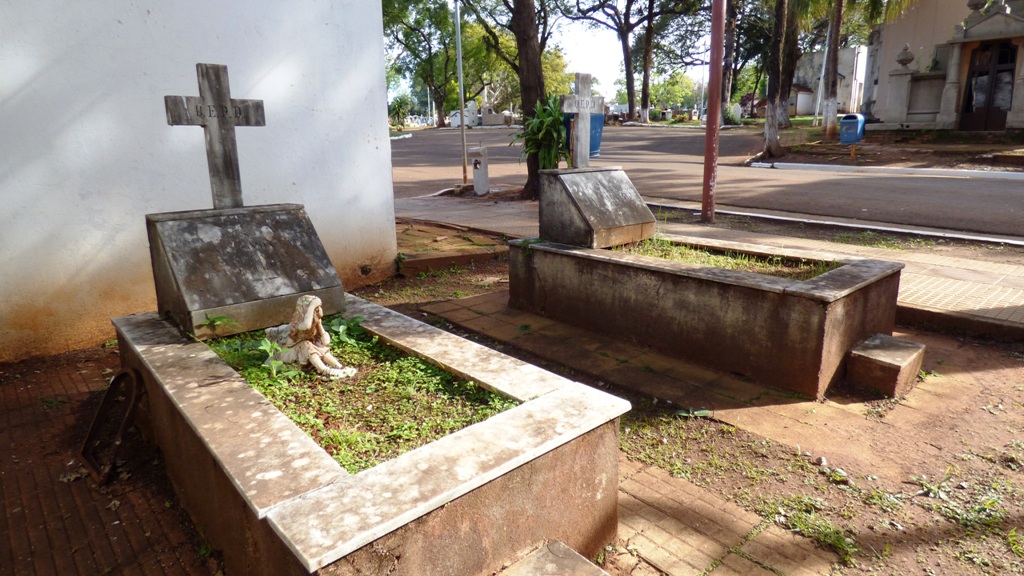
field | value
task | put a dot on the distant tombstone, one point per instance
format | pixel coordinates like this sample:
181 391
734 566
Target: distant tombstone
593 208
583 104
233 269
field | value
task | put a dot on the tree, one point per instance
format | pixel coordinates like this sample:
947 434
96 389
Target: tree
530 25
772 146
423 33
830 111
625 21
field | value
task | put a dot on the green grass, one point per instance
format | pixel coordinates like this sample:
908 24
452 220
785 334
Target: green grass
881 240
659 247
394 404
801 514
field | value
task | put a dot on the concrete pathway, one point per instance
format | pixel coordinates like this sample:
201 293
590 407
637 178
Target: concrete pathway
980 297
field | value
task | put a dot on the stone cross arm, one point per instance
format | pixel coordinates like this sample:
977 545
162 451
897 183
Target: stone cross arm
218 113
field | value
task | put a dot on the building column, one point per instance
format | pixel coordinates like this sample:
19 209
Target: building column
899 89
1015 118
946 119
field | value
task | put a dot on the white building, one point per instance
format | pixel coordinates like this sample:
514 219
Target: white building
86 151
951 65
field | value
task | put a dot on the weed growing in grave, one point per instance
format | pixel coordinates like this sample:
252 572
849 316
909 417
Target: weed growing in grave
214 323
794 269
394 404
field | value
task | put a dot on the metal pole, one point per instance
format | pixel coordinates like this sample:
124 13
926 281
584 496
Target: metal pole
717 60
462 93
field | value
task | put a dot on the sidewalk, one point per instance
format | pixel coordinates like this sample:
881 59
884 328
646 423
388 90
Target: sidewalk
982 298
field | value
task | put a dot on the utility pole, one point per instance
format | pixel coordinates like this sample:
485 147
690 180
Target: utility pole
714 116
462 92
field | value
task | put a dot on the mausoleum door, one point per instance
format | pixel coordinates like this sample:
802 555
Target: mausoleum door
988 93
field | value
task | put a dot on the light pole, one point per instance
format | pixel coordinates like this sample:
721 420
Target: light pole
462 93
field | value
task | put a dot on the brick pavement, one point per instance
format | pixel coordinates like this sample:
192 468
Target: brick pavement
681 529
56 520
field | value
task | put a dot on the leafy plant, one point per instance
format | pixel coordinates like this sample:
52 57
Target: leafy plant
800 514
347 330
215 322
271 348
1015 542
398 109
543 134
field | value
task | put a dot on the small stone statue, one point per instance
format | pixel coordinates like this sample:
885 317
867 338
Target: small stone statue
304 340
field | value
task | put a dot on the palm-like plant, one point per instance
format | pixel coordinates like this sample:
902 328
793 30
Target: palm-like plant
544 134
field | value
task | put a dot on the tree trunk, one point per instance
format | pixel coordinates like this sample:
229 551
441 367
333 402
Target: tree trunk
730 55
630 81
439 109
648 62
772 147
531 79
790 56
830 113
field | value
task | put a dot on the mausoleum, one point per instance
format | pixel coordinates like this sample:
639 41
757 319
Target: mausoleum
945 65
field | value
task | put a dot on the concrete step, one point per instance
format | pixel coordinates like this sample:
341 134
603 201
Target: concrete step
553 559
885 364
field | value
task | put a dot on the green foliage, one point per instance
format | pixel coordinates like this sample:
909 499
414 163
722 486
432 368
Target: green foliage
271 348
395 402
544 134
660 247
216 322
347 330
677 89
801 514
399 108
1015 542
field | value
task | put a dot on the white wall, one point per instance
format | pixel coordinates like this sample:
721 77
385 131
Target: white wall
86 152
851 65
924 25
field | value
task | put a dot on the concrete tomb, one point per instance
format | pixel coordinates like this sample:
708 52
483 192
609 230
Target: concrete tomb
265 493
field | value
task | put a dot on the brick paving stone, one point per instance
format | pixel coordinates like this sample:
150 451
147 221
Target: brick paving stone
790 554
710 527
54 527
656 555
734 565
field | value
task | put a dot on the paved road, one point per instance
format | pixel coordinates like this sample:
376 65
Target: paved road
668 163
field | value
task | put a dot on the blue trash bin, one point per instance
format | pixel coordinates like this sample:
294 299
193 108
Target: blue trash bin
851 129
596 131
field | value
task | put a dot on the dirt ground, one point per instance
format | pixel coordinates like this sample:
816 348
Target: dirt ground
1001 157
954 507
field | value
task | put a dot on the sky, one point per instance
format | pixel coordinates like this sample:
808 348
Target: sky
597 51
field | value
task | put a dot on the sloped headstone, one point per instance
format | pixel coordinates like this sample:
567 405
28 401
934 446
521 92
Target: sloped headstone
221 272
593 208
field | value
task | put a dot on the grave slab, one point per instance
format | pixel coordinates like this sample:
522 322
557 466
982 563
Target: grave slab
246 264
592 208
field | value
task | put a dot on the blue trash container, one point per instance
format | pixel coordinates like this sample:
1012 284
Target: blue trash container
851 129
596 131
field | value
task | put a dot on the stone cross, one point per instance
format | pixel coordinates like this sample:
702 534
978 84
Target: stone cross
583 105
218 113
